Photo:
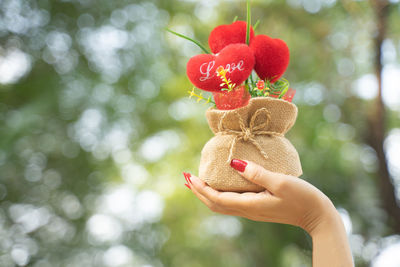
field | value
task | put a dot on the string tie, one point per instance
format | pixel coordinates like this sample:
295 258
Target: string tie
248 134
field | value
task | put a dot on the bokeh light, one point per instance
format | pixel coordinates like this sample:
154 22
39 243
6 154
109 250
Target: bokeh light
96 128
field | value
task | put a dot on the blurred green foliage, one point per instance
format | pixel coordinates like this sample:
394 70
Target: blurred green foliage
96 128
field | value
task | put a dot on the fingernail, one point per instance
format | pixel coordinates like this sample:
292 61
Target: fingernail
188 186
187 177
238 165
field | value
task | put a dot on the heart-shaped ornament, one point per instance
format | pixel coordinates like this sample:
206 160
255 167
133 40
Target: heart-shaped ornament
272 57
237 60
224 35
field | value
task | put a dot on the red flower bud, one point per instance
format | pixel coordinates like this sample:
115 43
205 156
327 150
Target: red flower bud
260 85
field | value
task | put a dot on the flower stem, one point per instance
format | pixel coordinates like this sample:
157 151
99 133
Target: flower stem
248 22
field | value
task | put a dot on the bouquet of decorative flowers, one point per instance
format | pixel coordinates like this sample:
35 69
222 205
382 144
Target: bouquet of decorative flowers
251 115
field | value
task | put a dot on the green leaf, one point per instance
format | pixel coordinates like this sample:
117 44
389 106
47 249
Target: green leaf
190 39
286 87
256 25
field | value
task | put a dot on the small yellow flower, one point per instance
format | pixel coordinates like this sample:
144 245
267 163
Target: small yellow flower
221 71
191 93
199 97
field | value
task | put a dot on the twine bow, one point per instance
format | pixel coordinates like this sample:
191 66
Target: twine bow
247 134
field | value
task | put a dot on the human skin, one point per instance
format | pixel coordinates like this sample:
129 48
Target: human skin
286 199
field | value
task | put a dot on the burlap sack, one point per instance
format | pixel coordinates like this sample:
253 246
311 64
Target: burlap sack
254 132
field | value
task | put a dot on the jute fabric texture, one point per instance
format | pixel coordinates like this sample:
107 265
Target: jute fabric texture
255 132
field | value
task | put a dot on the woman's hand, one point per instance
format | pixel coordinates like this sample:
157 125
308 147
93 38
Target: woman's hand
286 199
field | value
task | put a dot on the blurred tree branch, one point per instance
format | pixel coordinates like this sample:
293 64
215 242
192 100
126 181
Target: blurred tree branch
376 120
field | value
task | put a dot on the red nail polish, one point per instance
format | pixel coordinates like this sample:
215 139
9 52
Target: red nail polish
188 186
238 164
187 177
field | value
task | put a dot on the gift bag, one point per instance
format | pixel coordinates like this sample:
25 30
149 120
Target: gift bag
255 132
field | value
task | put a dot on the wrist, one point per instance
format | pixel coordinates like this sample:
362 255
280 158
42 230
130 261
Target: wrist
328 223
323 218
330 243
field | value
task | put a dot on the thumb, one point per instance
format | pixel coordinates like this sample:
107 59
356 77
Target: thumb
253 172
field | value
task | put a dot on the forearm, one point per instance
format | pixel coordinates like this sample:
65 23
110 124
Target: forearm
330 243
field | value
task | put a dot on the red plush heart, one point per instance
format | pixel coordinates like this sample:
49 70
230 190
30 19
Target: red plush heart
224 35
237 60
272 57
238 97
